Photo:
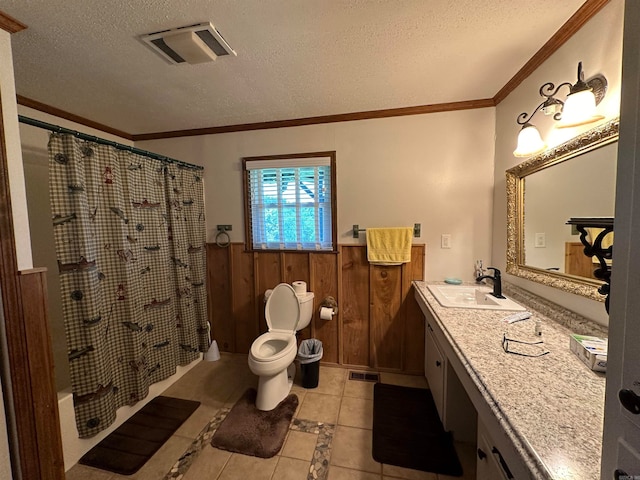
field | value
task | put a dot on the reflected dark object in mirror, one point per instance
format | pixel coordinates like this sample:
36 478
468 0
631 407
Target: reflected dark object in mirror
594 247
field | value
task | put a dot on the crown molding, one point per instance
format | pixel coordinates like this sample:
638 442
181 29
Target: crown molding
42 107
10 24
343 117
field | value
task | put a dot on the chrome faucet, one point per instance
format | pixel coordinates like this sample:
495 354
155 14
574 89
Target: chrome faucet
479 269
497 282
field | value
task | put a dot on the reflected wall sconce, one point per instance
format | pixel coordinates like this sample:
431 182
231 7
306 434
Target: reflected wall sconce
579 108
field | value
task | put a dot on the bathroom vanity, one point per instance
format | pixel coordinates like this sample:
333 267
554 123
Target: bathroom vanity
531 417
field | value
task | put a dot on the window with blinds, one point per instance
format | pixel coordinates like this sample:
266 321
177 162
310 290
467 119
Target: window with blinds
290 202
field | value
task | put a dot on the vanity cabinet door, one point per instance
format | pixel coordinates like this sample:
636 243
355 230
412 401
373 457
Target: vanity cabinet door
490 463
434 368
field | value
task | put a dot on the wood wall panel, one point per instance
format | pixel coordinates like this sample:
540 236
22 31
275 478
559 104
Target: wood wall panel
243 298
354 307
378 324
414 319
387 322
219 298
324 282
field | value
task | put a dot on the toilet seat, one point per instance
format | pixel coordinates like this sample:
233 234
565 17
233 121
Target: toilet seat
272 346
282 311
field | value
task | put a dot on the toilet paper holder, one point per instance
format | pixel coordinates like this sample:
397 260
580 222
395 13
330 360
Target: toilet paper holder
330 302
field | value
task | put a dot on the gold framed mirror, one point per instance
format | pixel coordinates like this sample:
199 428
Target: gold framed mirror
574 179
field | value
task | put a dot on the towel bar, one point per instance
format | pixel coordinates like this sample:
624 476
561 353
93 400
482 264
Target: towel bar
357 230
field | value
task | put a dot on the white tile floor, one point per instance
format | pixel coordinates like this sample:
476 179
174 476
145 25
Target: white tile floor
346 403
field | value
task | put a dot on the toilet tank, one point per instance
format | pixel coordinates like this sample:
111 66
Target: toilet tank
306 309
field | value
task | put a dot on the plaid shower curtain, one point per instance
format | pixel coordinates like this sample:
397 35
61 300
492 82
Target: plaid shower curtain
130 234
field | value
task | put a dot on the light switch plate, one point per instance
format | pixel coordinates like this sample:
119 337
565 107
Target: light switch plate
445 240
541 240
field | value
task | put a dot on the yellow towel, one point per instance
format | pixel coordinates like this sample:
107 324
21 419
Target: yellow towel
389 246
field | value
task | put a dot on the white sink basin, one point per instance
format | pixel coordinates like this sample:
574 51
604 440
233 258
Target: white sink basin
468 296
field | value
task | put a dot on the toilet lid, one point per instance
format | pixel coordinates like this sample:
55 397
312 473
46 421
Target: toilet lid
283 309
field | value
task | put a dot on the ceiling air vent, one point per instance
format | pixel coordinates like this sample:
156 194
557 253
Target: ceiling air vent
194 44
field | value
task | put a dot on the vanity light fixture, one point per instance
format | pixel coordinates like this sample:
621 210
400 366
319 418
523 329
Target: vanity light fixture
579 108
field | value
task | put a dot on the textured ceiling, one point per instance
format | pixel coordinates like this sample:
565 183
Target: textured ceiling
296 58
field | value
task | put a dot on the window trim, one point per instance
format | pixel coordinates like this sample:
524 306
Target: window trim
247 208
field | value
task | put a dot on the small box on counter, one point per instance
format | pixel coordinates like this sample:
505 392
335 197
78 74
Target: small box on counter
591 350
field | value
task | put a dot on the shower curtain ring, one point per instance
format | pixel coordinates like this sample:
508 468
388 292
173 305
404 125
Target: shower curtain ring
221 242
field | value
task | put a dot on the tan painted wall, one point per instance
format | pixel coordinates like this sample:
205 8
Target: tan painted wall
436 170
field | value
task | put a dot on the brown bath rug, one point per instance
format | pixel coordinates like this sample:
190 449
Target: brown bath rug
254 432
134 442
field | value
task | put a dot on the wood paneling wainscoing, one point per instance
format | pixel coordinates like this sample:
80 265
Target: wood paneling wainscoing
378 325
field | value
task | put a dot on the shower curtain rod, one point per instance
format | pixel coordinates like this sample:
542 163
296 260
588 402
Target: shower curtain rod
102 141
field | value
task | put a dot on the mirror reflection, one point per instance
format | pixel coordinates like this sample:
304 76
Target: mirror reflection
574 179
582 186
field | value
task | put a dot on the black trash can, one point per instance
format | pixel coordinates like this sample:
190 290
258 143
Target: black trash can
309 355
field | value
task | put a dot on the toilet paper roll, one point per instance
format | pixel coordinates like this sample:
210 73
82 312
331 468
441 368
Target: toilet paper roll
300 287
326 313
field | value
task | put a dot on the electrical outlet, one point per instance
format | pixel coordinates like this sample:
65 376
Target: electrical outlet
445 240
541 240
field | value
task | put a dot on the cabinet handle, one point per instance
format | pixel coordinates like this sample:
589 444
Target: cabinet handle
481 454
503 464
629 400
430 327
618 474
438 363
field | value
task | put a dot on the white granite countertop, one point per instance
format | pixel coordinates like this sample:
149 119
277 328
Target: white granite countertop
551 407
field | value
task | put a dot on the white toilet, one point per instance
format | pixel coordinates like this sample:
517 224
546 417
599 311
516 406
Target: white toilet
272 353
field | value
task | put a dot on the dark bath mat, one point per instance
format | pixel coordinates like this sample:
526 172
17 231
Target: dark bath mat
128 448
407 431
254 432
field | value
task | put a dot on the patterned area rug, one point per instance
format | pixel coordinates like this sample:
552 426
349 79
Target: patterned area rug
407 431
128 448
250 431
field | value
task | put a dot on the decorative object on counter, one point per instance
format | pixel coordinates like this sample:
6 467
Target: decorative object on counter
453 281
407 431
579 108
222 237
600 247
591 350
389 246
357 230
576 152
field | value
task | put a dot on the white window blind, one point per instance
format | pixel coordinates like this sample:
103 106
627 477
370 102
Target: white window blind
290 204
